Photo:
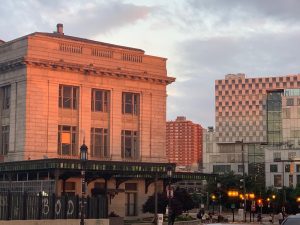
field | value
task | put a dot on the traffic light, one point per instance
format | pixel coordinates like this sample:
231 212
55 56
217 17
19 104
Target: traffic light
213 197
259 202
241 183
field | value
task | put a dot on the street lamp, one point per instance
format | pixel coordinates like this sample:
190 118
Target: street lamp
273 207
83 159
298 201
251 197
213 198
169 176
233 194
220 197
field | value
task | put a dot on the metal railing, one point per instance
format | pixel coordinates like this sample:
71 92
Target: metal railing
30 206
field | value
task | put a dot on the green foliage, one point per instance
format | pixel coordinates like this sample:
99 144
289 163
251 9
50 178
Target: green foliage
184 218
184 198
196 197
162 203
182 201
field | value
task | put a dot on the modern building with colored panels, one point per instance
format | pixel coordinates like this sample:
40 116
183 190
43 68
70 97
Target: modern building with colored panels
184 143
57 91
262 113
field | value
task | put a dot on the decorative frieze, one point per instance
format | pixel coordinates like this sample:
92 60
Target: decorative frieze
71 48
102 53
132 58
85 69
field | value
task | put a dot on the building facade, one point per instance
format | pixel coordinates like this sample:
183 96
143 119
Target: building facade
256 115
58 91
184 143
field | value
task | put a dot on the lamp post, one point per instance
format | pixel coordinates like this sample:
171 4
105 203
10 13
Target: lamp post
220 197
298 201
273 206
213 198
244 181
169 175
232 194
269 204
83 159
252 200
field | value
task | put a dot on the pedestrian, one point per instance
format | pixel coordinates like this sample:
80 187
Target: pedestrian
173 216
205 217
259 217
280 217
210 216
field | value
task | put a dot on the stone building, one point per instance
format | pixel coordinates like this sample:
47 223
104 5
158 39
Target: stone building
57 91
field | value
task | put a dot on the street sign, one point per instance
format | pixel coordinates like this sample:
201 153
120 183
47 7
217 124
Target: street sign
233 206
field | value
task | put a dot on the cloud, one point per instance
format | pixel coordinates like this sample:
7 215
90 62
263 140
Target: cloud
233 9
80 18
203 61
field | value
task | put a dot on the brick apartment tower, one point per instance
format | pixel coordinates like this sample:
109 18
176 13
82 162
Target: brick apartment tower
184 142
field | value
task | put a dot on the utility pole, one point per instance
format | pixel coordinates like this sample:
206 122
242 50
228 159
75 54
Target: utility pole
155 200
244 181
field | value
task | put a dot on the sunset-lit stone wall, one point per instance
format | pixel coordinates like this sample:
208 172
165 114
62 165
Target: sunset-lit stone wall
50 60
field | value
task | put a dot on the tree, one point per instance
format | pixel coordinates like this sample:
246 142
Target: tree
184 198
162 202
182 201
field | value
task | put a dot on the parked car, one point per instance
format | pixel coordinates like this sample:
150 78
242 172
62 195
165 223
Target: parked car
292 220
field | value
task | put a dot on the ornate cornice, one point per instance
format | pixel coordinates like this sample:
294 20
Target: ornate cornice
12 65
83 69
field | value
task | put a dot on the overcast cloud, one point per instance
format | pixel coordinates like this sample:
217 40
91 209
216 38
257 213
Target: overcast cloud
202 39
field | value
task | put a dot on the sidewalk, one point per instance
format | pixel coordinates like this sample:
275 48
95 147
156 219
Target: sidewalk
237 220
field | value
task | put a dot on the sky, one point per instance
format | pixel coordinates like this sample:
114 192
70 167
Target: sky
203 39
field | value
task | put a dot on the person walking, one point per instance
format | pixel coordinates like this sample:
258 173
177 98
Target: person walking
280 217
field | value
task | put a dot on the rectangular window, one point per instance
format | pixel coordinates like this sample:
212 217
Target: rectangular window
130 103
99 142
68 97
277 156
67 140
277 180
298 180
131 199
70 188
289 101
100 99
5 140
221 169
297 168
287 168
291 180
6 97
129 144
291 155
240 168
273 168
